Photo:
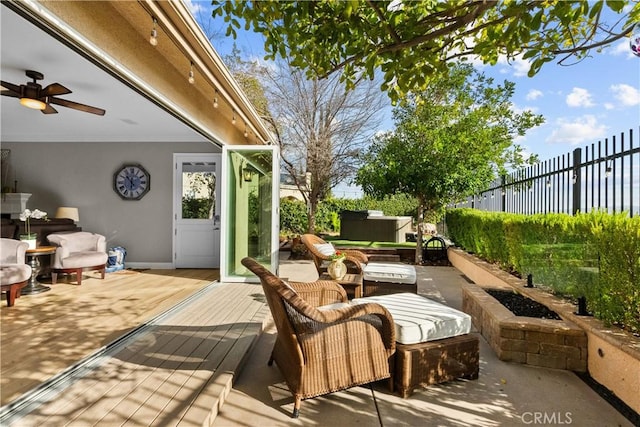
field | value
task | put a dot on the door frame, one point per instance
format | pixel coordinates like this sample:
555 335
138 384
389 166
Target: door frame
275 213
177 198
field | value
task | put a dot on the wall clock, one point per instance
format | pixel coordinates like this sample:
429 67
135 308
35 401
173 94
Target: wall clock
131 182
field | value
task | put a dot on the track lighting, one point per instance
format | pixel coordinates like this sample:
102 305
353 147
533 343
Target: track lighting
153 39
215 100
192 78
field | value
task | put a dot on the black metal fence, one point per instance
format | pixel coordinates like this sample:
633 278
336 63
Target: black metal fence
601 176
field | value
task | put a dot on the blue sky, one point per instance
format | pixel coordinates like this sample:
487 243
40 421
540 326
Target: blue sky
582 103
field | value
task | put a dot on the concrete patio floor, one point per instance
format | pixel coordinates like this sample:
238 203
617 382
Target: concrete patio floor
506 394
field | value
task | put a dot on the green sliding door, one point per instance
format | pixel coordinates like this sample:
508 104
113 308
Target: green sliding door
250 210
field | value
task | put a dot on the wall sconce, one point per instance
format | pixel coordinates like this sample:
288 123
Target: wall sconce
247 173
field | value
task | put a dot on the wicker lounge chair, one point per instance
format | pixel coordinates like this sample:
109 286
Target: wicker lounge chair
379 278
322 258
320 351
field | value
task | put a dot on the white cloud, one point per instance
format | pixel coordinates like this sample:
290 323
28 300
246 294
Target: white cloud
579 97
519 66
194 6
519 110
621 48
626 95
576 131
534 94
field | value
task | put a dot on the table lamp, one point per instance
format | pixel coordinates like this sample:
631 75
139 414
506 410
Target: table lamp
68 212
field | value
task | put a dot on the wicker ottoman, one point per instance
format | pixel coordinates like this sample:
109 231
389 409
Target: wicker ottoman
388 278
434 362
433 341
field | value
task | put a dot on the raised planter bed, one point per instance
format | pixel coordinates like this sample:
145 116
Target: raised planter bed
540 342
613 355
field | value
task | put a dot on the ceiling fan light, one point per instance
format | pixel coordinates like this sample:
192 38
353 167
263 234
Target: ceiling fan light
33 103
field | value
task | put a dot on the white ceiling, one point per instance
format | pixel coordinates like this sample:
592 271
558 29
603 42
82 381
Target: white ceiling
129 116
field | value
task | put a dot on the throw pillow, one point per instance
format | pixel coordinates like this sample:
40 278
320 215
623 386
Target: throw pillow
325 249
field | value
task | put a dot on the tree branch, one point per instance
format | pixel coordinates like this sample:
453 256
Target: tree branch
383 20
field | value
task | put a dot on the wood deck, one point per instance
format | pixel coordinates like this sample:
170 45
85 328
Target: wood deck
173 372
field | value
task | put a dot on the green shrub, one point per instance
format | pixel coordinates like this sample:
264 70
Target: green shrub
594 255
293 217
293 213
196 208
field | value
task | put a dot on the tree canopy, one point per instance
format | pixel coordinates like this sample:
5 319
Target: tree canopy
411 41
321 128
450 144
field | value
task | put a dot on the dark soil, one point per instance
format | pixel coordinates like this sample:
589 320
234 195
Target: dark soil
521 305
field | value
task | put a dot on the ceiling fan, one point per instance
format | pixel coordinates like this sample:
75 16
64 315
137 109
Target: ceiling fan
32 95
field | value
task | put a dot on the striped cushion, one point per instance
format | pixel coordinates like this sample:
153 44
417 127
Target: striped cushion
389 273
419 319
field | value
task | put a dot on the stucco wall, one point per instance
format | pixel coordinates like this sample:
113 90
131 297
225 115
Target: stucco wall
81 175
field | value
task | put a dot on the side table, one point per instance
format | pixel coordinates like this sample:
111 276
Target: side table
33 259
352 283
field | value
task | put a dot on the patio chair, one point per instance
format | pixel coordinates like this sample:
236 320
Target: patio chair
77 252
379 278
14 273
320 350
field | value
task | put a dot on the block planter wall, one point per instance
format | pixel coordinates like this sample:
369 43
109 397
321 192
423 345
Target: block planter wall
613 355
540 342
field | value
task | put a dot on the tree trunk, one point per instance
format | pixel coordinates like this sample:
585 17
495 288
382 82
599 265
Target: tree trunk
419 231
311 214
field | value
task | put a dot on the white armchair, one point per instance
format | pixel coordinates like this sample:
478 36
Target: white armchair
77 252
14 273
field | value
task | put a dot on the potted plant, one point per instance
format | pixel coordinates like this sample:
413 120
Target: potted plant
26 216
337 269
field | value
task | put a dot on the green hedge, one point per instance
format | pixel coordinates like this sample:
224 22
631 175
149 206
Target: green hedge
293 213
594 255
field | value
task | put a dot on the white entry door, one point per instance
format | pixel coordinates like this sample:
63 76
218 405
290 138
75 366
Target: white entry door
196 211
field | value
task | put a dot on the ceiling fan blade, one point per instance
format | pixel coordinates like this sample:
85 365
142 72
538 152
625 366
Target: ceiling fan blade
54 89
49 110
77 106
9 89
